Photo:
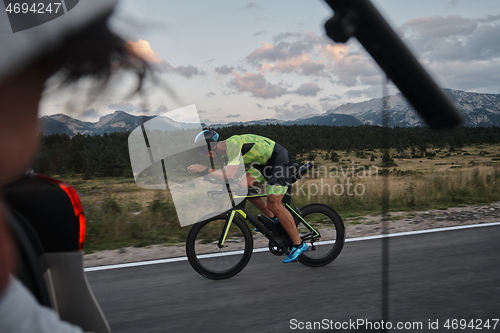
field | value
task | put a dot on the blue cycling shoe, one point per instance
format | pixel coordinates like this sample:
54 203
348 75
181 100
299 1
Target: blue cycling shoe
295 253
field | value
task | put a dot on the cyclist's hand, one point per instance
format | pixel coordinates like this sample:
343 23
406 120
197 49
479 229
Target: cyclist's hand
195 168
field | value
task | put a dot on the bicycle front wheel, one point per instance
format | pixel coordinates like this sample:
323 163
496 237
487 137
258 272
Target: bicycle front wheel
326 245
212 261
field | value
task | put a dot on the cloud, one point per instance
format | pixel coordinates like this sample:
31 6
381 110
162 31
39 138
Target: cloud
210 95
284 50
160 110
331 101
301 43
268 52
312 68
308 54
350 68
472 76
326 106
301 64
259 106
374 91
436 27
187 71
308 89
295 55
129 107
223 70
335 52
233 115
291 112
285 35
463 53
143 49
250 5
122 106
257 85
489 18
258 33
90 113
330 98
454 37
143 109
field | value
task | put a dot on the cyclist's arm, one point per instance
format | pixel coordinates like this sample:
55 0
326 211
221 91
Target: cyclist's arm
229 170
234 159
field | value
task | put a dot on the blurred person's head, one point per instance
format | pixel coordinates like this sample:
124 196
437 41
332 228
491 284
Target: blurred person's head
73 46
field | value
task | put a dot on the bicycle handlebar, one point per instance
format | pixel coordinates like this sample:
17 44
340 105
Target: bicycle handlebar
212 180
297 173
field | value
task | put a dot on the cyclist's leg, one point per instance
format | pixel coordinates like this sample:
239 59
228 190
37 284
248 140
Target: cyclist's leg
274 203
278 175
254 177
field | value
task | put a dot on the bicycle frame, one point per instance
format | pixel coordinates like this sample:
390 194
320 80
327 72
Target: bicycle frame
279 241
231 233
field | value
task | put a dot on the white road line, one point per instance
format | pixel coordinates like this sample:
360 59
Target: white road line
357 239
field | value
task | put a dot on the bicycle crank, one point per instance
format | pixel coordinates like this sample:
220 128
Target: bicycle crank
275 249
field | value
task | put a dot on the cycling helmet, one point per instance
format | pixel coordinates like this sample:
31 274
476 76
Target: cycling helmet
205 141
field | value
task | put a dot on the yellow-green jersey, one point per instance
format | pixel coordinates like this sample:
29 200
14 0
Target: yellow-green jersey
269 161
254 149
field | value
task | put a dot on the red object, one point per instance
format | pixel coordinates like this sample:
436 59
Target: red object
76 203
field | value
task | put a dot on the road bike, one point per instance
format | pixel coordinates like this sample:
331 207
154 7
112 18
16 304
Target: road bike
220 246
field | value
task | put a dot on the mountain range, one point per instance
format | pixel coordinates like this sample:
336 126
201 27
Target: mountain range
479 110
118 121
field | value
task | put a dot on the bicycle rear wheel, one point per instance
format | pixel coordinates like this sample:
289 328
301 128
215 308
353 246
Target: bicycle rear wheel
326 246
213 262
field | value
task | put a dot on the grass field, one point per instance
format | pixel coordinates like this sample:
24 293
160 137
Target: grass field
119 213
354 185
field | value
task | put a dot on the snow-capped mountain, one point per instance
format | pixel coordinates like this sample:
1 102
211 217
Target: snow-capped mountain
327 119
479 110
119 121
61 123
268 121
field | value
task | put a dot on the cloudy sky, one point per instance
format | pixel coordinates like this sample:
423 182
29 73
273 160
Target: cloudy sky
241 60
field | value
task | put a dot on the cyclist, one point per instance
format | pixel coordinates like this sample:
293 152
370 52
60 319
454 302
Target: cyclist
268 161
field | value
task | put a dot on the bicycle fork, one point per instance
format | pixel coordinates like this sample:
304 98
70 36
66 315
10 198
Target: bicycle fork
225 230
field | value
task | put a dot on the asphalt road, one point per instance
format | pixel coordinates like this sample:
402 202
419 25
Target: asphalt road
433 277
